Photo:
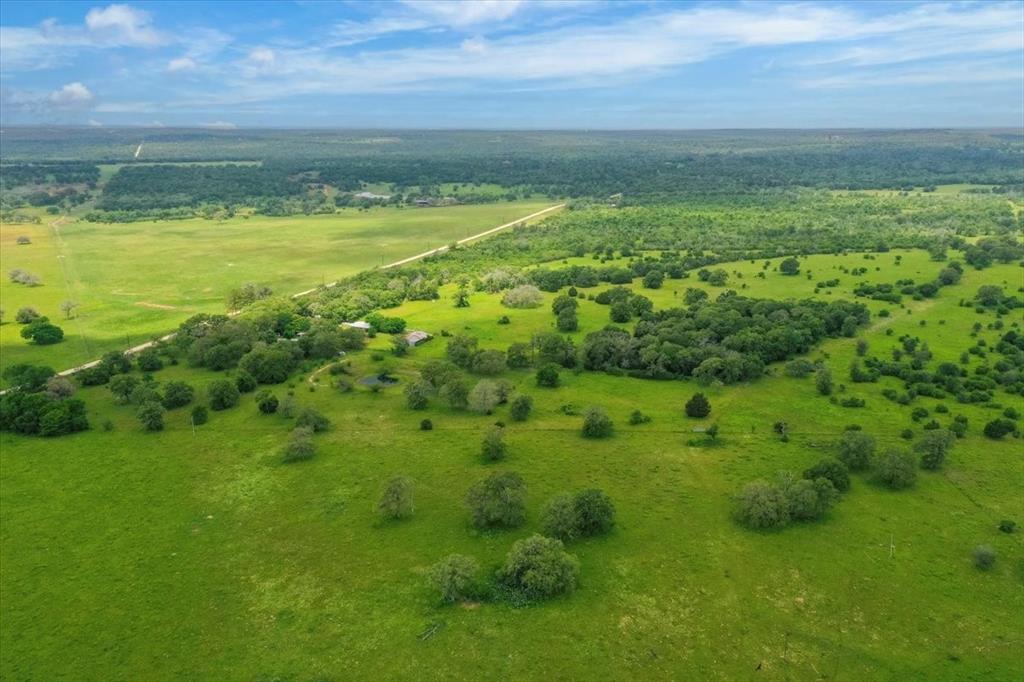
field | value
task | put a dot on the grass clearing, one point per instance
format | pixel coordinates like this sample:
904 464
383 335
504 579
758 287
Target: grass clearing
171 556
137 280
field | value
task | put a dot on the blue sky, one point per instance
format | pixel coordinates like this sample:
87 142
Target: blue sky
513 64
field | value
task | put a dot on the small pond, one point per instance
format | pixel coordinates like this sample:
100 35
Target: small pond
382 380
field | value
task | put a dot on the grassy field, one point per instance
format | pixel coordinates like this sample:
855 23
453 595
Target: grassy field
137 280
175 556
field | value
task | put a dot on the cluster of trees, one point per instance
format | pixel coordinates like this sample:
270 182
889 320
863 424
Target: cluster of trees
37 328
787 498
727 341
910 364
537 567
48 173
446 380
40 403
687 239
29 279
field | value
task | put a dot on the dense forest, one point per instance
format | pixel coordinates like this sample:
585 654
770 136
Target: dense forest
621 168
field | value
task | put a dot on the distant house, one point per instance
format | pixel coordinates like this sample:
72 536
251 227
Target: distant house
372 196
423 203
358 324
415 338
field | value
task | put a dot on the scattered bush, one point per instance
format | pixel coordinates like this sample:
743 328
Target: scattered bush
856 449
997 428
523 296
494 447
498 501
520 407
396 502
176 394
832 469
539 568
199 415
222 394
455 578
267 402
300 445
698 406
313 420
896 470
151 414
984 557
426 425
597 423
547 376
933 446
637 417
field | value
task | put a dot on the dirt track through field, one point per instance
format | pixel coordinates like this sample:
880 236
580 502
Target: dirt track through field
441 249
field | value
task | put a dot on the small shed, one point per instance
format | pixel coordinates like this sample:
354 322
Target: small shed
416 337
358 324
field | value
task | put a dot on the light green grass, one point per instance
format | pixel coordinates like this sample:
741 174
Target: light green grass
171 557
138 280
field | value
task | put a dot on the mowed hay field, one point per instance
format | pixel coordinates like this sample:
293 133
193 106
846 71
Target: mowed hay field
137 280
173 556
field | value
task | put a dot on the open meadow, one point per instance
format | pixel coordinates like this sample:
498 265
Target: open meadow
192 551
137 280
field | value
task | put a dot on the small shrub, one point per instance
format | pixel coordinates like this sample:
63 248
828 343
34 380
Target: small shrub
1007 526
454 578
597 424
426 425
313 420
984 557
199 415
856 449
698 406
896 470
637 417
222 394
267 402
151 414
548 376
833 470
997 428
494 447
396 502
520 407
300 445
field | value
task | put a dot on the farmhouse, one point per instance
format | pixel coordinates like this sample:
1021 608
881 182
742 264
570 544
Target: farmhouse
414 338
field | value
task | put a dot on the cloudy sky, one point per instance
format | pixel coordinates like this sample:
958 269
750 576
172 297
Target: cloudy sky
514 64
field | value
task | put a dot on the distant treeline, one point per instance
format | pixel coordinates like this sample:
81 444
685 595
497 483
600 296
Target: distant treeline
625 178
59 173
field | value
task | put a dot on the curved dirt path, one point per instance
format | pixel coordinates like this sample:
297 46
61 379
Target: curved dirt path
441 249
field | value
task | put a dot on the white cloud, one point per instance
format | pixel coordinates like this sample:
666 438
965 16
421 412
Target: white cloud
51 44
94 123
123 25
460 13
261 56
181 64
219 125
649 43
71 96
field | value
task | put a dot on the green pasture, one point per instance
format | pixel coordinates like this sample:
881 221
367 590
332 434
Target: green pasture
137 280
181 556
